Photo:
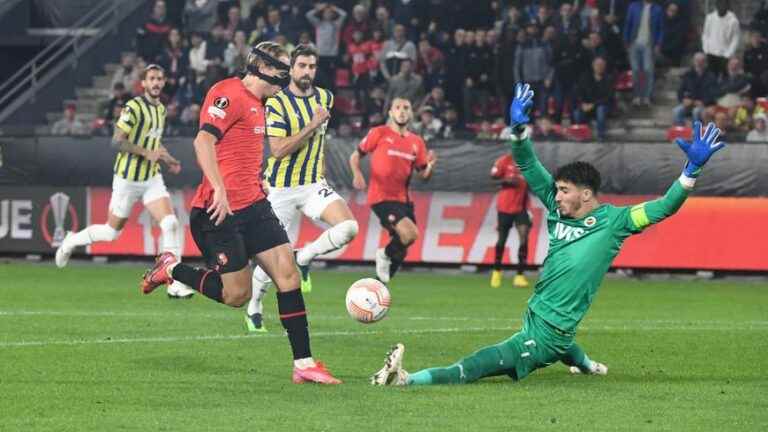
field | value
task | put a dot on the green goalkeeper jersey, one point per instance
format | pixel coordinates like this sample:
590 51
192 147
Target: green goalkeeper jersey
581 250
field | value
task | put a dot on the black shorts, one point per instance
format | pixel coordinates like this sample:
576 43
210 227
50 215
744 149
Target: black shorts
508 220
228 246
392 212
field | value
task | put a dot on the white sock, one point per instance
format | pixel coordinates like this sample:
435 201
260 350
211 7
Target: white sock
304 363
259 284
93 233
169 227
330 240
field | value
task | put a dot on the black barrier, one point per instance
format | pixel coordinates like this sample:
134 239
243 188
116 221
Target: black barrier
463 165
35 219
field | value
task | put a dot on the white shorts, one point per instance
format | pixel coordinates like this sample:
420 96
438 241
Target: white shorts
290 202
125 193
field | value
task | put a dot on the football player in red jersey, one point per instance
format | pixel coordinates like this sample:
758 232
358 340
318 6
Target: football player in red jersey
512 209
395 154
231 219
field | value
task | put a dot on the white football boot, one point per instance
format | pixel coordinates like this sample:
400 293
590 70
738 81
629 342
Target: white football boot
64 251
597 369
178 290
392 373
383 264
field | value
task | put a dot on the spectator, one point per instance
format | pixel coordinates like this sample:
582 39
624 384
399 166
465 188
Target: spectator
127 73
720 37
595 96
760 20
293 23
545 17
376 44
756 63
733 86
375 107
567 21
190 116
234 23
395 51
327 20
505 67
742 118
359 22
533 65
200 15
675 35
281 40
358 58
455 64
643 33
477 84
428 57
451 126
545 130
252 9
760 132
154 32
175 60
571 60
486 131
723 122
614 11
68 124
435 100
236 53
428 126
259 31
217 45
198 59
696 90
384 22
274 24
511 22
119 97
405 84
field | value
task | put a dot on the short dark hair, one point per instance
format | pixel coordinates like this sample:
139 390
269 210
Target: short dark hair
303 50
151 67
580 173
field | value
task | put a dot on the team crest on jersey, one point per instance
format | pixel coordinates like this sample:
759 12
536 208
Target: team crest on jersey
221 102
590 221
222 259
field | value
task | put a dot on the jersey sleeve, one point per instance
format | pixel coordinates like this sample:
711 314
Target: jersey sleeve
634 219
421 155
497 170
539 179
277 118
370 141
129 117
219 112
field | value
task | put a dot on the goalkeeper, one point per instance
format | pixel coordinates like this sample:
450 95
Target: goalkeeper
584 236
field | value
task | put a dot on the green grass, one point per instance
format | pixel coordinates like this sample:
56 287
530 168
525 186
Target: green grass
81 349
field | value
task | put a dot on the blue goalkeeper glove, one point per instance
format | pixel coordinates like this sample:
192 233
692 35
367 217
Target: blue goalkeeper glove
520 107
700 148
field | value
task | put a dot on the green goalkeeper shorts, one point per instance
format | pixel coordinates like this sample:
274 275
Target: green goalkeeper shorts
537 345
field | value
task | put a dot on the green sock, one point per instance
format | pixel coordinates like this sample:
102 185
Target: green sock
575 356
422 377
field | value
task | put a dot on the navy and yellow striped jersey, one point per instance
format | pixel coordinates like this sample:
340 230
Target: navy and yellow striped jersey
287 114
144 123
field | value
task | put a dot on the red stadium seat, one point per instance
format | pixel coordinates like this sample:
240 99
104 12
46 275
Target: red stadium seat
343 78
579 132
762 102
624 81
676 132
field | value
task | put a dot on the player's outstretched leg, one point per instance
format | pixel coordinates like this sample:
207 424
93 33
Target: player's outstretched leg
91 234
171 230
579 363
522 257
334 238
254 318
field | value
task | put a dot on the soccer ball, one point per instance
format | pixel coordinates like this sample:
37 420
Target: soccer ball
368 300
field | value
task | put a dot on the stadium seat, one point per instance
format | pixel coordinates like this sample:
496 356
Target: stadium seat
624 81
347 106
762 102
579 132
676 132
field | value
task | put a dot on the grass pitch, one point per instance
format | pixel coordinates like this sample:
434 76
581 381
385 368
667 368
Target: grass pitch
81 349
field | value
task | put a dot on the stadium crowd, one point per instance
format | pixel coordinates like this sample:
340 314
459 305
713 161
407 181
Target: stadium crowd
458 61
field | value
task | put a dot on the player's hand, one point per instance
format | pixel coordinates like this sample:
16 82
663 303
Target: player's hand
431 158
358 182
700 148
219 208
521 106
174 167
321 115
153 155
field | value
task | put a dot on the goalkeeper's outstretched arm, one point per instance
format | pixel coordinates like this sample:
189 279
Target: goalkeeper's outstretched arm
698 150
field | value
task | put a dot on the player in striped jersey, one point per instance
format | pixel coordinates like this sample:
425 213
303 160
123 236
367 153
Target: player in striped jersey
137 137
297 118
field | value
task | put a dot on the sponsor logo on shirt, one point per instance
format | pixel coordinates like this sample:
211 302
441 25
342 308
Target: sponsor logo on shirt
401 155
258 130
568 233
216 112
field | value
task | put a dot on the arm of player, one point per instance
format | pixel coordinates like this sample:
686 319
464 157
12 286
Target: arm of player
426 173
206 156
502 178
281 147
540 180
698 150
358 180
121 143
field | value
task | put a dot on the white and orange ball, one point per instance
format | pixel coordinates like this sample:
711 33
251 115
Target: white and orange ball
368 300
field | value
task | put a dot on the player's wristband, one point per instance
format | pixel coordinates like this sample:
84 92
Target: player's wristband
688 177
520 133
